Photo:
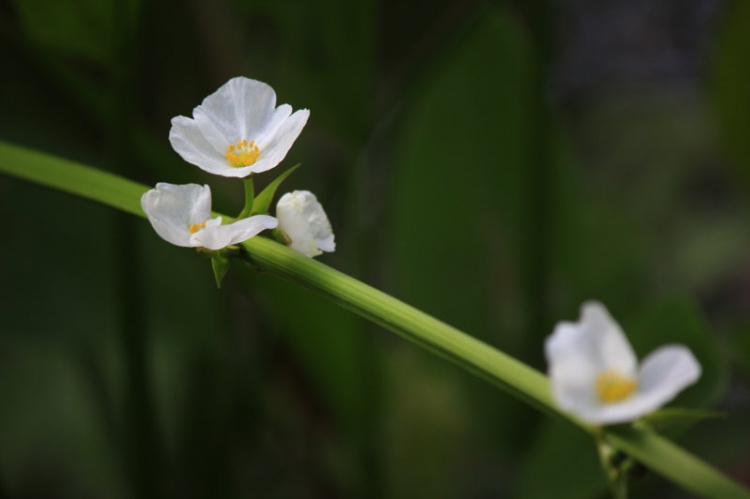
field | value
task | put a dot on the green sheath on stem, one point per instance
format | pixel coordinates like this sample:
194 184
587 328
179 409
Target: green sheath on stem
489 363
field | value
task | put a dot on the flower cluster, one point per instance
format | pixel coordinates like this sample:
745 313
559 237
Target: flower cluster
237 131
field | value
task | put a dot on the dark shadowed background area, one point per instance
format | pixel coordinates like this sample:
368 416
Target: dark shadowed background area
493 163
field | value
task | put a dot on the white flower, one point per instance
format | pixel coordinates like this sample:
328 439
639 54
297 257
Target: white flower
595 374
302 217
181 214
237 130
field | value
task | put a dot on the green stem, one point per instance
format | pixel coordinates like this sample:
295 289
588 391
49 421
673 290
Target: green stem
249 197
405 320
673 462
516 378
616 475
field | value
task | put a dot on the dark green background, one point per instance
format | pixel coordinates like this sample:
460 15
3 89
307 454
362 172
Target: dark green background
493 163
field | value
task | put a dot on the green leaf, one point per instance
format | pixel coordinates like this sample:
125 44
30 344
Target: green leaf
741 348
81 28
425 408
263 200
461 165
679 418
731 79
446 177
567 460
683 413
61 413
220 266
326 338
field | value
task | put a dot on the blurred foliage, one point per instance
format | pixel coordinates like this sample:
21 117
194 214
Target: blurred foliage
462 171
731 77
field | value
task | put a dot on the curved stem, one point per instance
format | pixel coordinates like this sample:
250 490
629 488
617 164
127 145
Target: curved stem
416 326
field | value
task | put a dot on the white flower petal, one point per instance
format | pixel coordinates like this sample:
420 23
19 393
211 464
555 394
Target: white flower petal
609 346
221 236
620 412
666 371
211 133
277 143
171 209
280 115
215 222
663 374
571 367
578 352
597 338
303 219
240 108
231 171
187 139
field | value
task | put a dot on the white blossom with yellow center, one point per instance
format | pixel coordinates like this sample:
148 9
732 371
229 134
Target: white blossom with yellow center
595 374
238 130
303 219
181 215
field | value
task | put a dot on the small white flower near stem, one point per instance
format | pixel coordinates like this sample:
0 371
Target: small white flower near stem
302 218
238 130
181 215
595 374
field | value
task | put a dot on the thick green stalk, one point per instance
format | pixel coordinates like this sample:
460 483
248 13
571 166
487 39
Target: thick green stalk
674 463
405 320
505 372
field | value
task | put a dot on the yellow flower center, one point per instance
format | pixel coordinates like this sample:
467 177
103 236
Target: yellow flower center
243 154
196 227
611 386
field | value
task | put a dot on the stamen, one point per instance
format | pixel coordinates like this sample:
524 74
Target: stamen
611 386
196 227
243 154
